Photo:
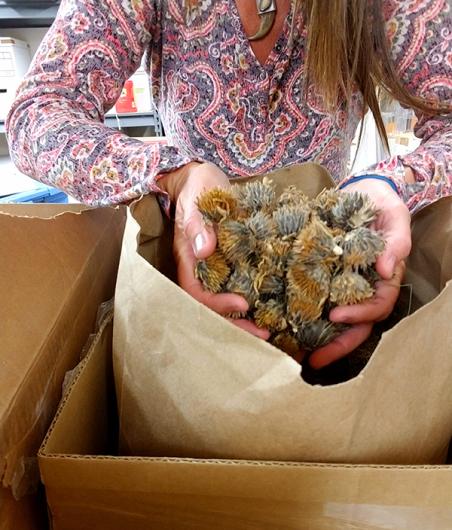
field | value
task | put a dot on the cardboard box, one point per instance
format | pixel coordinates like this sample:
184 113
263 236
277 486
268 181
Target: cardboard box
88 489
57 264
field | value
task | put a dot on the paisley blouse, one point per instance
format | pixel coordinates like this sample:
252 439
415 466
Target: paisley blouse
216 101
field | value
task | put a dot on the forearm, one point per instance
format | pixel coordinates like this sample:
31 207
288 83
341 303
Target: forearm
420 177
65 148
55 128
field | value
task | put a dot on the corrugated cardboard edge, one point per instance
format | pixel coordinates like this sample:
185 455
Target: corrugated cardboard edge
12 463
46 211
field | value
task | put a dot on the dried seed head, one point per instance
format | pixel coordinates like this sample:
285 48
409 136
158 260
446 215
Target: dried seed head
216 204
292 196
371 275
324 202
236 241
361 247
310 280
290 220
270 274
287 343
261 226
352 211
270 315
270 277
307 290
213 272
270 284
277 246
241 282
299 303
256 196
350 288
316 244
313 335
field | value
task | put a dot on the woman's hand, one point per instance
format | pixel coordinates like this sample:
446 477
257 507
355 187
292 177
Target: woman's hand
193 239
393 222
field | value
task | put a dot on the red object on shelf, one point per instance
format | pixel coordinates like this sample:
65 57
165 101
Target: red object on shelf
126 101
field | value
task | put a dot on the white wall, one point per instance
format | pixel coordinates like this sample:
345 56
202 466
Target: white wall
33 36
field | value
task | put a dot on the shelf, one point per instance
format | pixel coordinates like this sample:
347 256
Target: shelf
142 119
27 17
139 119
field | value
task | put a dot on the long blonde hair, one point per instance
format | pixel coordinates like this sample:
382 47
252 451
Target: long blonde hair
347 46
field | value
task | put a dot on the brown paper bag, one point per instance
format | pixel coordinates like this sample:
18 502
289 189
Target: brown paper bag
191 384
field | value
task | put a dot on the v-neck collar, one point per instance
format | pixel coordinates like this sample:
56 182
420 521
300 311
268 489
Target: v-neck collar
281 42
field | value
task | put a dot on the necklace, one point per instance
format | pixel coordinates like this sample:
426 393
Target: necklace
266 9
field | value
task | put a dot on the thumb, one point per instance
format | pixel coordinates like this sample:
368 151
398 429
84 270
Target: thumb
386 264
394 221
398 246
202 238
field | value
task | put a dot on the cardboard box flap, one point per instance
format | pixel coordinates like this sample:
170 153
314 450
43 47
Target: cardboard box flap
56 268
86 488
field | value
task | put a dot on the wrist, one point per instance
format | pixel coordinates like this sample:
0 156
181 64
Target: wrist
387 181
173 182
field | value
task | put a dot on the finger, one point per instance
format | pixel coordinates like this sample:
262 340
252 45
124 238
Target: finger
340 346
223 303
250 327
376 308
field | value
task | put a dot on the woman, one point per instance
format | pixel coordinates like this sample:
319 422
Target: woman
236 107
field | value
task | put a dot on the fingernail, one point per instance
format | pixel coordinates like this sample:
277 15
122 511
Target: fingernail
198 243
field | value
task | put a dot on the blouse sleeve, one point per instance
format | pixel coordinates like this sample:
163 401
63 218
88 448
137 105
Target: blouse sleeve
55 127
420 34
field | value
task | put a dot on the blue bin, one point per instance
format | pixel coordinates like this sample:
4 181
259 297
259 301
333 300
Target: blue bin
39 195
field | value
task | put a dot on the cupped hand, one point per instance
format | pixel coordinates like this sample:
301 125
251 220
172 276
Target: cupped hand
393 222
194 239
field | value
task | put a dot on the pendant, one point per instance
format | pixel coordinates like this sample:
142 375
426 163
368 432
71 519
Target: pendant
266 9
